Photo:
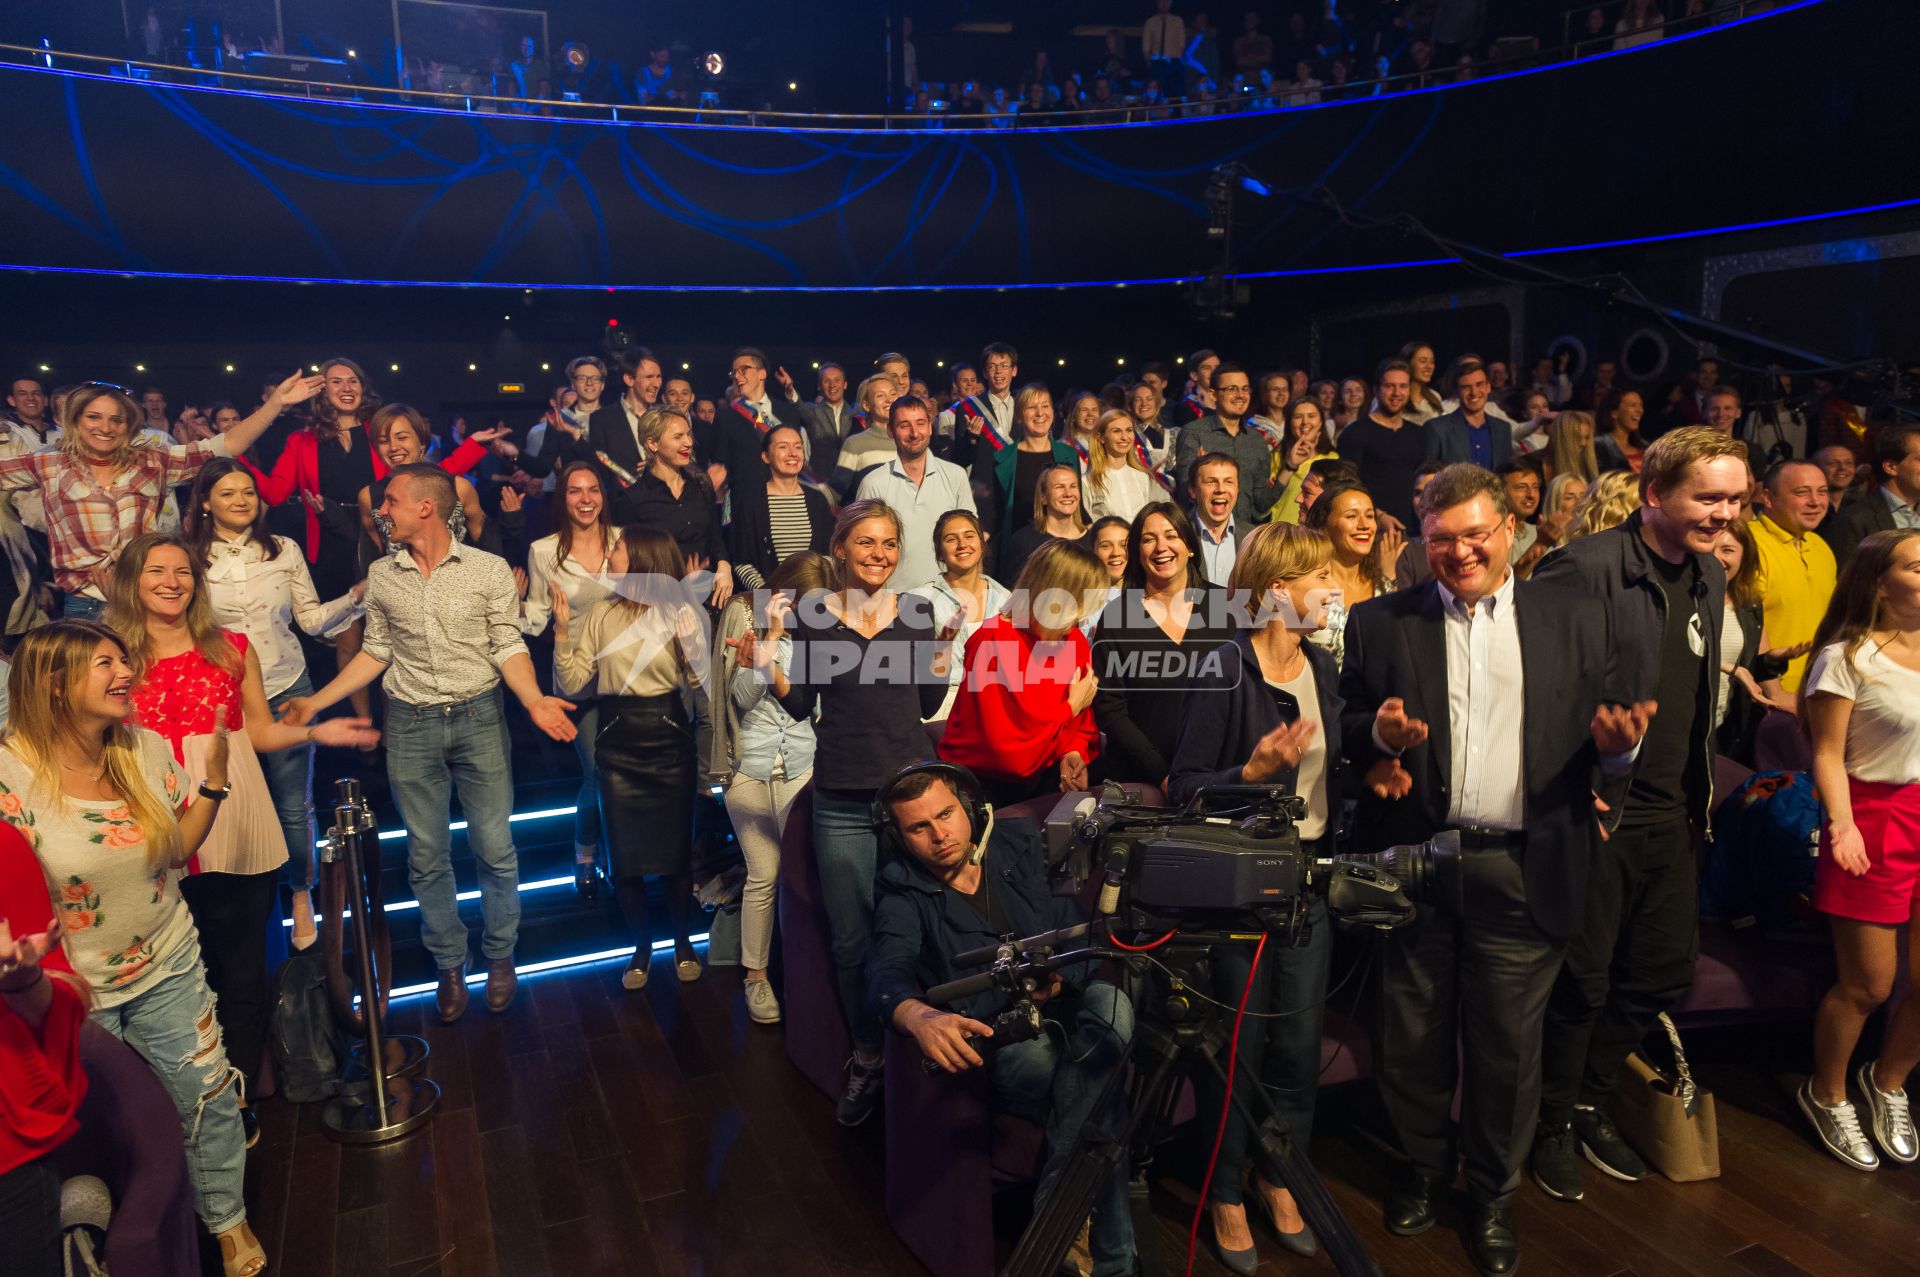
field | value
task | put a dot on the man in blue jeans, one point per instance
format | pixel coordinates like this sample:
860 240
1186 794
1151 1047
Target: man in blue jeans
949 882
443 626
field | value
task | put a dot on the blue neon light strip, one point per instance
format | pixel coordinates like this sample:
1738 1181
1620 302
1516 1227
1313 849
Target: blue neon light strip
551 964
908 129
1293 273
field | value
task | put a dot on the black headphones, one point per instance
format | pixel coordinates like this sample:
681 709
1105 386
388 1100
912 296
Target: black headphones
965 786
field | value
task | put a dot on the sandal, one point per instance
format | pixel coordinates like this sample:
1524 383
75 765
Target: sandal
240 1253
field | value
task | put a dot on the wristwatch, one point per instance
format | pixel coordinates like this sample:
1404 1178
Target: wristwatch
218 795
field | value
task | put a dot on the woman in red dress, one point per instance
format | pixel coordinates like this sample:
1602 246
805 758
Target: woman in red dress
190 675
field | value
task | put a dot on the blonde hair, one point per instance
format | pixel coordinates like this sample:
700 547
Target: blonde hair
1062 567
48 663
1097 457
1609 500
1565 452
1558 489
127 616
1277 552
1029 393
1040 496
70 440
1667 459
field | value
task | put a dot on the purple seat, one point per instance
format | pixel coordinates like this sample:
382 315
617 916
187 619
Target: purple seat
1779 744
816 1031
1744 977
130 1137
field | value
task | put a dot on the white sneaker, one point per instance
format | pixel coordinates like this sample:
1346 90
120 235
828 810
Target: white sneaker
762 1006
1889 1118
1839 1129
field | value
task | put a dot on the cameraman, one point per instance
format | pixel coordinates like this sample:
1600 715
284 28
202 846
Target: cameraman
956 882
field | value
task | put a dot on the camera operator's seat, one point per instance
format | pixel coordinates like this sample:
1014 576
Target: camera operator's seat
815 1030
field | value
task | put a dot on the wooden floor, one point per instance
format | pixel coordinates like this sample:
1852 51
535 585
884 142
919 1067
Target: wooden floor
590 1130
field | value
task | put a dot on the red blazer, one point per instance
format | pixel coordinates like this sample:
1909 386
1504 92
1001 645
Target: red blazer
1011 717
41 1082
298 470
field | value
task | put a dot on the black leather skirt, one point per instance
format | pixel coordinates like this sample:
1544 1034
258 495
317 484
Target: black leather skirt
645 759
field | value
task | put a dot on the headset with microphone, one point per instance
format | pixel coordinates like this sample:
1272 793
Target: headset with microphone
966 787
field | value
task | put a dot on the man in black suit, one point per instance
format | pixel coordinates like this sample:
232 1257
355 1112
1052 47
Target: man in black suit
1481 703
1894 502
739 426
613 429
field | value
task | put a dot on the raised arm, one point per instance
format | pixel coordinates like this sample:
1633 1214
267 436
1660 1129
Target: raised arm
296 389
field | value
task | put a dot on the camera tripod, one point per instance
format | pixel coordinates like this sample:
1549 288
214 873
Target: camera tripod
1175 1032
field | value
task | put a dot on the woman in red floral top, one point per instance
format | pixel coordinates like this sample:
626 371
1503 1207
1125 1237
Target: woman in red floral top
190 674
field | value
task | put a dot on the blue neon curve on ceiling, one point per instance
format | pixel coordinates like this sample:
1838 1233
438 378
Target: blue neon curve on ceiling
1792 7
1059 285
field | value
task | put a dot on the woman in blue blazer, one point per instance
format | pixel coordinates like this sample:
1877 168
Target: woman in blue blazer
1267 712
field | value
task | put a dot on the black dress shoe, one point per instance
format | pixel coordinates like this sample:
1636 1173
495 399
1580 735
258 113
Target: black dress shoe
586 879
1409 1208
1490 1239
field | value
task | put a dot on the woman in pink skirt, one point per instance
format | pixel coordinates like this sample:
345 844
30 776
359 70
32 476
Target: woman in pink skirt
1861 703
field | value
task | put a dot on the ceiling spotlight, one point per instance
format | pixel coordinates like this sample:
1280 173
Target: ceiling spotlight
229 367
352 54
685 367
508 318
793 86
313 367
394 367
546 367
1121 362
939 363
713 64
44 368
473 367
1179 359
139 367
816 365
1063 363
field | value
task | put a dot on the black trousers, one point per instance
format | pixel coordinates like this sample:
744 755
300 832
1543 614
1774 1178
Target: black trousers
232 913
1632 960
1469 990
30 1219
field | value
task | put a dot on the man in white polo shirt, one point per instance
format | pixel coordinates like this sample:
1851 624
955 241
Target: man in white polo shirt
919 486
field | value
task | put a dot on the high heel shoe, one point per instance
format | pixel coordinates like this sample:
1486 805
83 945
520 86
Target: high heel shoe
634 977
240 1253
1301 1243
1241 1263
586 878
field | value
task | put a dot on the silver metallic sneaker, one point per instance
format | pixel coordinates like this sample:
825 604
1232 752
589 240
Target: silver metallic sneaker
762 1006
1839 1129
1889 1118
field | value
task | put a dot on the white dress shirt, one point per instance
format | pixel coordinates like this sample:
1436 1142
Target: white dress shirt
263 596
1486 712
582 588
943 487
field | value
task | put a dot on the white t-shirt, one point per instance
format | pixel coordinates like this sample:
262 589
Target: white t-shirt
1310 779
1883 733
122 918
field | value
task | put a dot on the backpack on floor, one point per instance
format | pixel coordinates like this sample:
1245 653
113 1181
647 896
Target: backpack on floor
1766 839
306 1046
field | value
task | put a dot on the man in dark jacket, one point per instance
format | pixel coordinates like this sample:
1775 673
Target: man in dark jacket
1893 500
1632 956
955 881
1470 432
1484 704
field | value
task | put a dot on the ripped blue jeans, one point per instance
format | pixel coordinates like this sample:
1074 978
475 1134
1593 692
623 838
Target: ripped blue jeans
172 1025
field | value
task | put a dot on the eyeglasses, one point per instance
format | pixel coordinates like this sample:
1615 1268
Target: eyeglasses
105 385
1472 540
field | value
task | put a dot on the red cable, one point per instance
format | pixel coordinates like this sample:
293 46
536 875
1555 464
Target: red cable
1142 948
1226 1104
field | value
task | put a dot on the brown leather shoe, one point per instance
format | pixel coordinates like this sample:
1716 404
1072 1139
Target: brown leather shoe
451 997
501 982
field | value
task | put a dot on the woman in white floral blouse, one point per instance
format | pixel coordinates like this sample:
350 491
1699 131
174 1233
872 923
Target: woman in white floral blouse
108 814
